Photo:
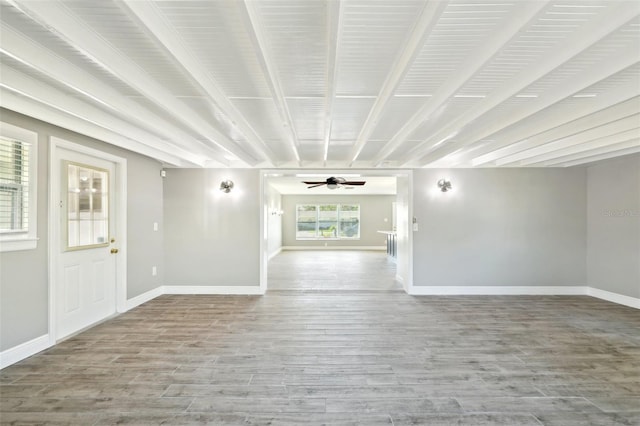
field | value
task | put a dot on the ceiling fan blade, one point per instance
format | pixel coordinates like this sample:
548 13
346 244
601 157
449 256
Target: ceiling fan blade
314 183
354 183
320 184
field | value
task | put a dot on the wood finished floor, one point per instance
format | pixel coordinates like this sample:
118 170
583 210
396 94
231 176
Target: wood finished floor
324 355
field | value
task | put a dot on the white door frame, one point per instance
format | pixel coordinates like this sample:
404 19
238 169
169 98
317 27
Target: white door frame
407 280
120 200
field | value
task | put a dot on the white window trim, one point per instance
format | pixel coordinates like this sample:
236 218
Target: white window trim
15 241
318 238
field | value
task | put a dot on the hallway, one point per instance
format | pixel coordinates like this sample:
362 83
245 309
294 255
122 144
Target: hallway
332 270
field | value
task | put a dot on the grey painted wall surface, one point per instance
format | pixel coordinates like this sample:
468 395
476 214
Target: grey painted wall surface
373 210
613 231
500 227
274 222
212 238
24 291
24 274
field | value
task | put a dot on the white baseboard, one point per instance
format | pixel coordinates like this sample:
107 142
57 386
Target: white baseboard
383 248
621 299
498 290
214 289
24 350
526 290
143 298
275 253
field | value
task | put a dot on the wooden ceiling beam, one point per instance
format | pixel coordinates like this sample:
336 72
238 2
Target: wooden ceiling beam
150 17
629 123
584 149
586 37
55 16
52 112
257 34
427 20
556 122
465 73
43 61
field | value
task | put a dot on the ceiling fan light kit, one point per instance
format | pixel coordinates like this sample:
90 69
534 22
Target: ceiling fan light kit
334 183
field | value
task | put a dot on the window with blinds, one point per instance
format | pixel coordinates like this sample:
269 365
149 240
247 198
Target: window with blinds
14 186
18 188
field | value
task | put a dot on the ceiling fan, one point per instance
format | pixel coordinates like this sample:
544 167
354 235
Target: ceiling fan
334 182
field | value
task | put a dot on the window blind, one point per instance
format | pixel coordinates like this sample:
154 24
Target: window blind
14 186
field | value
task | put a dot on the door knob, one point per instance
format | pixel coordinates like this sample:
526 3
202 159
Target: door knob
114 251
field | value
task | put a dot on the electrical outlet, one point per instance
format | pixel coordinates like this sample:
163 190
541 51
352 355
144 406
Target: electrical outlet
415 227
154 271
155 226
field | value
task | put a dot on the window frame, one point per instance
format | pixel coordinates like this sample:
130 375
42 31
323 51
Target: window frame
16 240
318 233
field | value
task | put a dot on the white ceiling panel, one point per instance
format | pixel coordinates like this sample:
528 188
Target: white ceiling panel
215 33
395 115
297 39
107 19
308 116
373 34
358 83
348 117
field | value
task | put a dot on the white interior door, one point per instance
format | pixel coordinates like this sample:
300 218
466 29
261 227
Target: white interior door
85 276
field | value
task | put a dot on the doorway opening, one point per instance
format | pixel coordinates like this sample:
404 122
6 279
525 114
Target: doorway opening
335 239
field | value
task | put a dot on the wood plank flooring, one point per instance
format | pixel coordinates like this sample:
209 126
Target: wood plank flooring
343 270
340 356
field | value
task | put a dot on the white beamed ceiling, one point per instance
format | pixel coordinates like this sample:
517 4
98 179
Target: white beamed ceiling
332 83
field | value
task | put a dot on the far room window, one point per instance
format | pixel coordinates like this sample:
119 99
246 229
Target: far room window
18 149
327 221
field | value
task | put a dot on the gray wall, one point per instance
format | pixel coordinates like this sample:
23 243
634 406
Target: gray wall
373 210
500 227
24 274
212 238
274 222
613 231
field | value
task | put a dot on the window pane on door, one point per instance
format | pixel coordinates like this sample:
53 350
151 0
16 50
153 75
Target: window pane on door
87 206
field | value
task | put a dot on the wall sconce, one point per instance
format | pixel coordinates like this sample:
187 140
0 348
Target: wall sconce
444 185
226 186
